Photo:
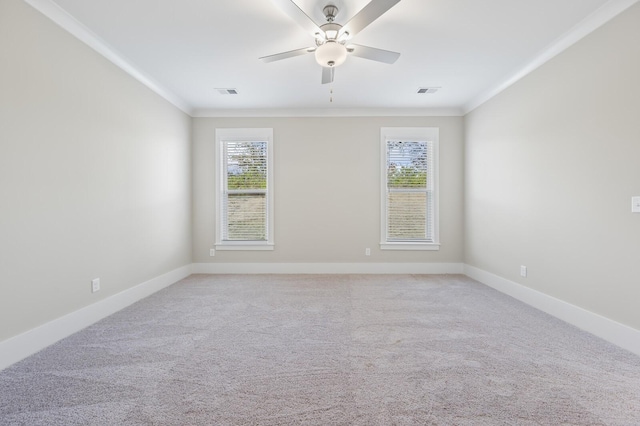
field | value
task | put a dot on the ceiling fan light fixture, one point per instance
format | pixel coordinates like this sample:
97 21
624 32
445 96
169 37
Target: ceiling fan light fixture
331 54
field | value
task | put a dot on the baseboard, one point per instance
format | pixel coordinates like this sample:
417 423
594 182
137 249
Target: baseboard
619 334
327 268
21 346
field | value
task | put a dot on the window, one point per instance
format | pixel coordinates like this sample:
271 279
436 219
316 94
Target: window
409 188
244 189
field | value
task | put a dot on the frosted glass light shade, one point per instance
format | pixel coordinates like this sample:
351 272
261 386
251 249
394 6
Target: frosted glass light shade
331 54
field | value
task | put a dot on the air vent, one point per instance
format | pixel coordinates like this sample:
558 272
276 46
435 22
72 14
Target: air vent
429 90
227 91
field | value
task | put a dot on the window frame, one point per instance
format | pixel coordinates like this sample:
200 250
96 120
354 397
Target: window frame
429 135
224 135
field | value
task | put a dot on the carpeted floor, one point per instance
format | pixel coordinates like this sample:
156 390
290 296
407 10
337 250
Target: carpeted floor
325 350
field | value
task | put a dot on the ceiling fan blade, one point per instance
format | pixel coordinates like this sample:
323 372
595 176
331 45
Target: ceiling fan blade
289 54
327 74
386 56
367 15
298 15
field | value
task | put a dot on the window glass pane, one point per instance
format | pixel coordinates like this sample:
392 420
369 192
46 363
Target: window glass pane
246 165
245 202
408 199
406 216
246 215
406 164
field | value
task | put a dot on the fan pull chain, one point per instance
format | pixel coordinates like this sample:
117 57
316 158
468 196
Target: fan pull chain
331 95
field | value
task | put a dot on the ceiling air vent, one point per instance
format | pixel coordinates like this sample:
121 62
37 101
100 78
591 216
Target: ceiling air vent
227 91
429 90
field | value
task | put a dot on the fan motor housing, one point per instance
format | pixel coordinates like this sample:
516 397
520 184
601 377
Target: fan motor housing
331 30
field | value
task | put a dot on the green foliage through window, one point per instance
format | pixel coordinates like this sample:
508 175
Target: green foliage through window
246 165
406 164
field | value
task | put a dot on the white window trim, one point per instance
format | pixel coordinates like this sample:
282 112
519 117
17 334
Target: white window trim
420 134
230 135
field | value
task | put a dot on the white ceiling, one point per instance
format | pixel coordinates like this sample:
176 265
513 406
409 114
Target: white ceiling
470 48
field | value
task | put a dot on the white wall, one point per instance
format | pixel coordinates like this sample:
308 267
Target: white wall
551 165
327 190
94 175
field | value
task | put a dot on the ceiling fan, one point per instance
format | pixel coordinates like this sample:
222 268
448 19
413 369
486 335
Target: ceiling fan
331 48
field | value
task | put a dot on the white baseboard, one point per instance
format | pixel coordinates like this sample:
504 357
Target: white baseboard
21 346
328 268
619 334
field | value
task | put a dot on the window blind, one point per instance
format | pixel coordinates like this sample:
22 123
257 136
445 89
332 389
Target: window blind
409 191
245 200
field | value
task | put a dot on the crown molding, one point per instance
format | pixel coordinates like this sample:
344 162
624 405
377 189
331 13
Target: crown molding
592 22
58 15
329 112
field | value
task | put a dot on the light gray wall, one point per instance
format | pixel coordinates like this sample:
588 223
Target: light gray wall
327 189
94 175
551 165
95 178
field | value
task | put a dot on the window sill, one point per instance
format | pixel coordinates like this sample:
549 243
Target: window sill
244 246
410 246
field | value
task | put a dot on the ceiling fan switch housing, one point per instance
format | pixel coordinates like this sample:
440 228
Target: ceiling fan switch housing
330 12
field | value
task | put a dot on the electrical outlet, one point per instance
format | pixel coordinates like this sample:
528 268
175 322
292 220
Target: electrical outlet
635 204
523 271
367 252
212 252
95 285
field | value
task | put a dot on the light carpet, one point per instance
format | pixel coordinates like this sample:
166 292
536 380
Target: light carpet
325 350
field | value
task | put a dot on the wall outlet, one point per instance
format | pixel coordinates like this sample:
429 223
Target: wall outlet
95 285
212 252
523 271
367 252
635 204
